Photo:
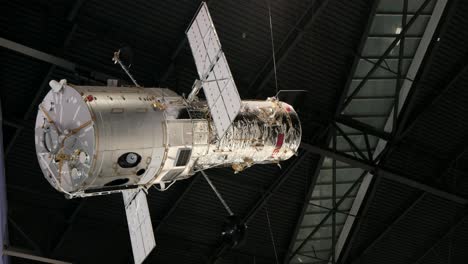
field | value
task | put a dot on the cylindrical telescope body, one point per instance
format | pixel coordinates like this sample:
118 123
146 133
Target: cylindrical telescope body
93 140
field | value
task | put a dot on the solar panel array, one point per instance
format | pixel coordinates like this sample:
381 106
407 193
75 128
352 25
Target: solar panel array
214 72
139 224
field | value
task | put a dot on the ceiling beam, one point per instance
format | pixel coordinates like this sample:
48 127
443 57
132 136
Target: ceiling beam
82 70
447 10
312 12
71 18
53 60
389 228
4 238
70 221
344 120
430 105
36 54
310 188
363 127
32 243
362 43
384 173
403 89
268 194
15 252
326 217
176 204
39 55
450 232
385 54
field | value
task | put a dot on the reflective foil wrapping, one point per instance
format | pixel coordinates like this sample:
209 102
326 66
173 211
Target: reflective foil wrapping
263 132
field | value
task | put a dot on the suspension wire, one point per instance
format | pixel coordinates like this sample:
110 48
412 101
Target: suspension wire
273 46
271 234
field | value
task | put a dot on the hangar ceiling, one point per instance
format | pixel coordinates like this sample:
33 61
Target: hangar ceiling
323 47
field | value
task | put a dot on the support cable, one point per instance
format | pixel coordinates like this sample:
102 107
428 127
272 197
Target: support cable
271 234
273 47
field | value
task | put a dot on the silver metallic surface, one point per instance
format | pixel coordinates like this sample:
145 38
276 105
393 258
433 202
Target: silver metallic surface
263 132
139 224
82 131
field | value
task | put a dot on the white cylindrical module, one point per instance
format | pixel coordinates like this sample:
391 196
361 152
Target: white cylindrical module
96 140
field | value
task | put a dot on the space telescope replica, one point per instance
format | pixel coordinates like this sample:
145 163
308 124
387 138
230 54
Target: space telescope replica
93 140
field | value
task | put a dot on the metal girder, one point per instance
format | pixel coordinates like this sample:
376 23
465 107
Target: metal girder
385 54
42 87
389 227
455 163
291 40
304 208
10 144
339 118
409 107
273 188
34 245
327 216
403 86
260 203
329 209
55 62
27 115
8 44
401 134
346 247
365 128
434 102
4 239
386 67
399 82
247 185
350 142
335 207
362 43
15 252
84 219
188 245
384 173
70 221
450 232
176 204
15 123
